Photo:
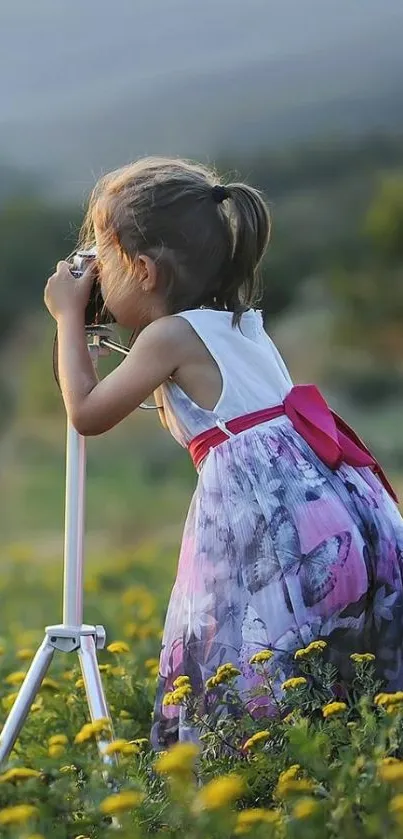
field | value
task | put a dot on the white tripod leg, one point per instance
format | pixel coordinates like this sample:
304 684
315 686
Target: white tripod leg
25 698
94 691
96 700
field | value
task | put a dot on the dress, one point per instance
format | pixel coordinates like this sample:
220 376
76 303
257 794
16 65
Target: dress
278 549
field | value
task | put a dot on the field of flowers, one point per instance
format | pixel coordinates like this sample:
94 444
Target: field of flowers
317 769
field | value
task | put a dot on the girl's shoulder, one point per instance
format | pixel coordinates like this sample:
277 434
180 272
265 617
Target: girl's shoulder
205 314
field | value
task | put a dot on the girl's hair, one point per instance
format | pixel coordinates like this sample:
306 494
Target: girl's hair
207 253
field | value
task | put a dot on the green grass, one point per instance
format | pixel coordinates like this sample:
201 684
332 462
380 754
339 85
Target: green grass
344 772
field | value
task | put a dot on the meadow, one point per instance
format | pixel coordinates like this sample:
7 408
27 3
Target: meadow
316 768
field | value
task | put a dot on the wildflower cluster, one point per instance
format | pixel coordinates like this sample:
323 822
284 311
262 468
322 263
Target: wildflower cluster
261 657
182 691
314 648
224 674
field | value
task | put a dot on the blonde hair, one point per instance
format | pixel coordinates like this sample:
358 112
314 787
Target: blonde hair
207 253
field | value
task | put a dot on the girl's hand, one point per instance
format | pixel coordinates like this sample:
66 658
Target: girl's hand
67 294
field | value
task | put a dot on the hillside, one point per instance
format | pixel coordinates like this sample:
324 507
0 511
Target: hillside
87 89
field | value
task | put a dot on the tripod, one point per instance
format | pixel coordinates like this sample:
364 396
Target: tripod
72 635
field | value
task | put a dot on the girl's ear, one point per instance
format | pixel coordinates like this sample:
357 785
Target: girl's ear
146 273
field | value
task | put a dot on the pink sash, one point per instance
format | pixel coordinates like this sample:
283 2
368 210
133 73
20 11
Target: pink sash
325 432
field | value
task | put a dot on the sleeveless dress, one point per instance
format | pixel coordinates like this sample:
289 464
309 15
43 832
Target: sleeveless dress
278 549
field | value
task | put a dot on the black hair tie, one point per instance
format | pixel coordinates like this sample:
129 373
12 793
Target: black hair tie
219 193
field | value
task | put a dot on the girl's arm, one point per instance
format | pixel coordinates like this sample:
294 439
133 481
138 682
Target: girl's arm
94 407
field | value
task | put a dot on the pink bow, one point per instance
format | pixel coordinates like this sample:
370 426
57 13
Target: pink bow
328 435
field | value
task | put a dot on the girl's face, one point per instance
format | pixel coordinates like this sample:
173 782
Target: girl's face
125 304
132 300
122 299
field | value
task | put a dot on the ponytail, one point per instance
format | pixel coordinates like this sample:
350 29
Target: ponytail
250 222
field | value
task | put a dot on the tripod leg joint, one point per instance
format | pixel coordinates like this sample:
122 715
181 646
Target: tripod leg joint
64 641
67 639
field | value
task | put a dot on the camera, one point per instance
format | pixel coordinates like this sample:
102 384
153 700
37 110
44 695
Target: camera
96 312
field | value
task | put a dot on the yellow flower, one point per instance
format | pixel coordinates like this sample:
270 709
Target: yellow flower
120 747
118 647
227 668
387 699
121 801
118 671
227 675
8 701
333 708
101 725
291 718
50 684
289 774
220 792
68 675
247 819
181 681
311 649
296 682
19 814
90 729
150 663
258 658
140 742
15 678
178 760
388 761
394 709
105 668
396 805
256 738
360 658
288 782
392 772
294 787
58 740
79 683
176 697
57 750
19 773
224 673
305 808
69 768
25 654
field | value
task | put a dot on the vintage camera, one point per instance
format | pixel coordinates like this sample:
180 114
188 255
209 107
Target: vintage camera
96 312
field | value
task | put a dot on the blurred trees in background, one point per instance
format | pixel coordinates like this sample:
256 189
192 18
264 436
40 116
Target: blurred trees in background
33 237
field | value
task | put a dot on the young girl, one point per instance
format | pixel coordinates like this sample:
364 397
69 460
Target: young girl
292 534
